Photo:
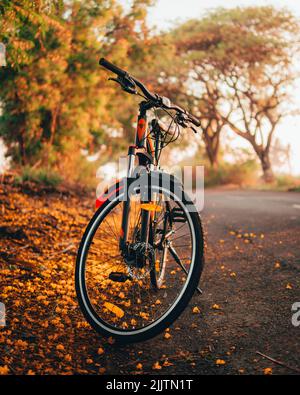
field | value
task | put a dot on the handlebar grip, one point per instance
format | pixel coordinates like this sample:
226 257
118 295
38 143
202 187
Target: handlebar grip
109 66
195 121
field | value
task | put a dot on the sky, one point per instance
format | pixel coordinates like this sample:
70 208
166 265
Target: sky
165 13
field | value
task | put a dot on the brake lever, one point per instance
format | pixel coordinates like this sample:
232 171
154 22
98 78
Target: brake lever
185 122
193 129
125 87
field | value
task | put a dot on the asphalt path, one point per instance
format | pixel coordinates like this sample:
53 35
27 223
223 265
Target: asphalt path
250 283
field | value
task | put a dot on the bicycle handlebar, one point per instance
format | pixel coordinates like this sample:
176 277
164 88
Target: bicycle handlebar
162 101
109 66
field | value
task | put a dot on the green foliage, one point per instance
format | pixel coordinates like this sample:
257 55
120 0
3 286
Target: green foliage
287 182
43 176
56 100
52 89
239 173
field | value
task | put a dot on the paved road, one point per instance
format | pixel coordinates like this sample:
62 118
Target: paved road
250 282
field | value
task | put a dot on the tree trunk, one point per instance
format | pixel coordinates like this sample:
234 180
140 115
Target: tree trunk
54 116
212 148
22 149
268 174
213 158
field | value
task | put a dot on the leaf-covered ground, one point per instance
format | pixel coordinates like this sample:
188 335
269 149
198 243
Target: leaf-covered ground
250 282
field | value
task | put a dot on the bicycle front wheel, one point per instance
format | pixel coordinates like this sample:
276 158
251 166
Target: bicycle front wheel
135 300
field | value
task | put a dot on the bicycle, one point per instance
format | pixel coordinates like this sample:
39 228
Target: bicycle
141 256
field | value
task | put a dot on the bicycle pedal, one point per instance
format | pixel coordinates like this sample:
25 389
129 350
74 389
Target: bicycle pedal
118 277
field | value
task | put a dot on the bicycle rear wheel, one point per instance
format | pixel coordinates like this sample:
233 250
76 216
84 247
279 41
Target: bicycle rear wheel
134 301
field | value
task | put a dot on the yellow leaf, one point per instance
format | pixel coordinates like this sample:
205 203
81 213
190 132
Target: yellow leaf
288 286
167 335
268 371
68 358
139 366
220 362
277 265
196 310
114 309
167 363
216 307
21 344
145 316
60 347
4 370
156 366
100 351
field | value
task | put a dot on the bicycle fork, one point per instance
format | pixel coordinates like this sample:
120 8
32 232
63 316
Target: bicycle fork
145 215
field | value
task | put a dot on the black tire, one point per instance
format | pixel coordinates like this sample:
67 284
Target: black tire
136 336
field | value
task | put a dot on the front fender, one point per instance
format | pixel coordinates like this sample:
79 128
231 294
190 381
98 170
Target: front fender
110 192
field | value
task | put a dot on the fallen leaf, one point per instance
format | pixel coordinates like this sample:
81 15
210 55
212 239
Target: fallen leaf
167 363
4 370
114 309
277 265
100 351
268 371
156 366
60 347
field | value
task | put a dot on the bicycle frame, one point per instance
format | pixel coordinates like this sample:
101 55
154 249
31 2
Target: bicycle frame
148 157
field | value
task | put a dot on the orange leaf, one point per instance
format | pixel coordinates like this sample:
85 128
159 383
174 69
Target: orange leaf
114 309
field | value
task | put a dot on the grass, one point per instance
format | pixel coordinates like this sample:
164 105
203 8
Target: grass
240 174
42 176
283 182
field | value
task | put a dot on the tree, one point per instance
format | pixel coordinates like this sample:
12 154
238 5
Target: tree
246 55
30 84
54 96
